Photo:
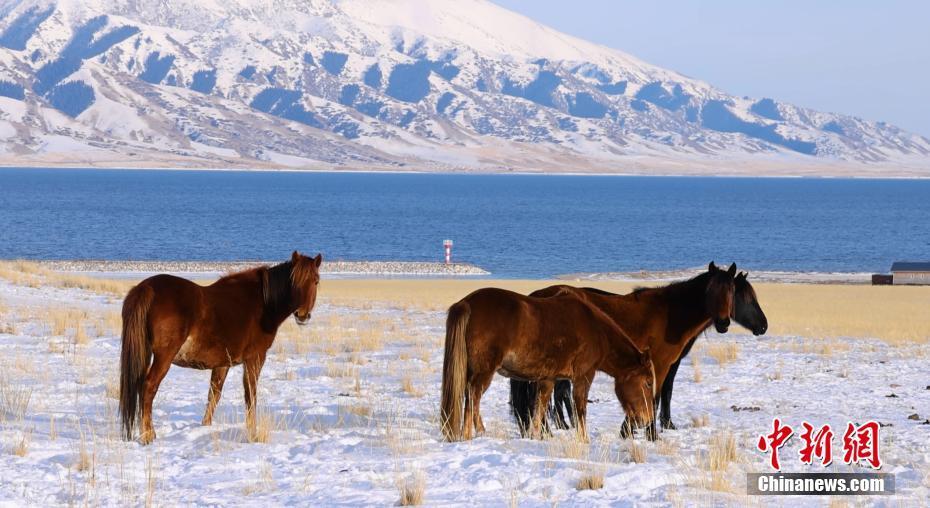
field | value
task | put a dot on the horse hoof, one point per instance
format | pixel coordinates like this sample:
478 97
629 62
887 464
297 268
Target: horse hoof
146 438
668 425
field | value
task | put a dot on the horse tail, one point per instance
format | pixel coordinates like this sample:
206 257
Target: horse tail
523 396
136 353
454 369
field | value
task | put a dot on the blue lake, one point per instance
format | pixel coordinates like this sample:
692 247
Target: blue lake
512 225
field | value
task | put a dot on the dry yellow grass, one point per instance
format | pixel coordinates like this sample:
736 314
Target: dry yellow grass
667 447
28 273
698 421
712 469
412 489
151 480
637 451
21 445
590 481
265 424
823 347
722 451
409 388
594 467
14 400
891 313
568 445
696 367
722 352
85 460
8 327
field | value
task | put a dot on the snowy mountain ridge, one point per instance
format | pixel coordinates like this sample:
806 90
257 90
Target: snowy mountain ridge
385 84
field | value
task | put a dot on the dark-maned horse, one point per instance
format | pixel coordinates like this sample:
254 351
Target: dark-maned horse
747 313
666 320
563 337
167 319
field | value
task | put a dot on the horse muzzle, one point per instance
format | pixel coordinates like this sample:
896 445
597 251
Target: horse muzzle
761 329
302 320
722 325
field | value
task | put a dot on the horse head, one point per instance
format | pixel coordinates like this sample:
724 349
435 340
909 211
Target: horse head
305 278
719 296
748 313
637 391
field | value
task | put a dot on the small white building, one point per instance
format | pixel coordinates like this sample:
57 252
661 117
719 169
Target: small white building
913 273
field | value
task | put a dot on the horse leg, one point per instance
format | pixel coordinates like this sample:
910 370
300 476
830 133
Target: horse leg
160 365
540 426
665 415
580 388
665 397
252 368
469 417
480 385
217 378
626 428
563 403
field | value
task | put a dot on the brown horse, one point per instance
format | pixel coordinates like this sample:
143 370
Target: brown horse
233 321
747 312
563 337
665 319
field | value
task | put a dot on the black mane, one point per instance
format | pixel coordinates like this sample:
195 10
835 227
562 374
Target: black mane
677 288
276 285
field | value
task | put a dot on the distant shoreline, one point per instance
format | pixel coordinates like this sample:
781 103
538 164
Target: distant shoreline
785 277
110 268
658 173
423 270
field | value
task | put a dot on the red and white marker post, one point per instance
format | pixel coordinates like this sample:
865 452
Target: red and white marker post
448 246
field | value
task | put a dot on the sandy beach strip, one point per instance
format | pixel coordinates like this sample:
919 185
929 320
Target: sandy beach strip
890 313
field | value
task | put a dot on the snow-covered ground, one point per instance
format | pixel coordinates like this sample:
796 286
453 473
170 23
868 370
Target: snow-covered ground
352 405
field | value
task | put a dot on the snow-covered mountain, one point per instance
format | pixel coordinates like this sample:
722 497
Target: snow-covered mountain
384 84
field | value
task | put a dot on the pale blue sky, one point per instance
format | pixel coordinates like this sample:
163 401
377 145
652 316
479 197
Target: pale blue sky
865 58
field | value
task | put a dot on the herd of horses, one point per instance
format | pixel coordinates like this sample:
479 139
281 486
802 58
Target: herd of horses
550 343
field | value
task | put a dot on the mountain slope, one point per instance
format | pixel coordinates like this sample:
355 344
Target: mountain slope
384 84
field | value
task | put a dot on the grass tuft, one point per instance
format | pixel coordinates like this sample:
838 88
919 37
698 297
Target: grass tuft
412 489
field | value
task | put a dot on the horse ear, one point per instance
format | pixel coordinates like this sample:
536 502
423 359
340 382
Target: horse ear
318 260
732 271
295 257
711 267
741 276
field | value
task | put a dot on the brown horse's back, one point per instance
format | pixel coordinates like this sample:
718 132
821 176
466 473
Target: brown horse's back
544 338
633 312
174 296
519 335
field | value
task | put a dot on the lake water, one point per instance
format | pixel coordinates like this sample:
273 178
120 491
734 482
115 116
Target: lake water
512 225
